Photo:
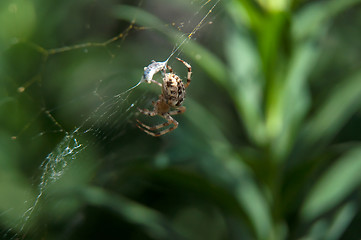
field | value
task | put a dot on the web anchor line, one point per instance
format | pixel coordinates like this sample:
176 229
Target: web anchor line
156 67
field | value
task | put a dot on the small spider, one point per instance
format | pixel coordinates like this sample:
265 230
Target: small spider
169 102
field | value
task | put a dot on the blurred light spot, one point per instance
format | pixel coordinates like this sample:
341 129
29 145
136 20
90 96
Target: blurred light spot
17 21
21 89
13 8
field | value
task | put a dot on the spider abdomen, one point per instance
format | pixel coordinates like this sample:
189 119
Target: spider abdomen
173 90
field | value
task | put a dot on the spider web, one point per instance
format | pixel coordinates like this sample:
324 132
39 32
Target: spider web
106 107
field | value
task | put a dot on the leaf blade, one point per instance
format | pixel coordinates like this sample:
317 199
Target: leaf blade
340 180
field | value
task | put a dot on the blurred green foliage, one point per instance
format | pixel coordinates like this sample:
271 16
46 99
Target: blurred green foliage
269 147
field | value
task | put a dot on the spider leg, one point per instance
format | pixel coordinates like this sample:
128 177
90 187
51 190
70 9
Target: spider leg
171 121
158 83
170 69
189 72
148 132
148 129
154 127
144 128
179 110
147 112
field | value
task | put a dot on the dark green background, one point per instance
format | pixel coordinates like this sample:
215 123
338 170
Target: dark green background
269 147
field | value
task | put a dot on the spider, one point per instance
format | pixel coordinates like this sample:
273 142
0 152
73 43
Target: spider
169 102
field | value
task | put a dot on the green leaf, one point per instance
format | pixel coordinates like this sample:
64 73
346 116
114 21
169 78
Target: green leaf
331 228
240 200
246 82
245 12
248 194
343 101
256 206
341 221
152 221
334 185
295 98
313 18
